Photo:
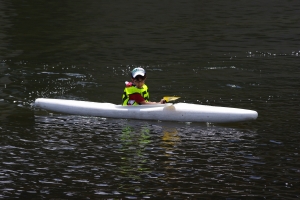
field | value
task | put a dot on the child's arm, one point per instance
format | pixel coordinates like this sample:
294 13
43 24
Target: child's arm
162 101
140 100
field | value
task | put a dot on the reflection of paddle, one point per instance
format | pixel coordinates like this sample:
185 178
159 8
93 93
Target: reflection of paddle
167 99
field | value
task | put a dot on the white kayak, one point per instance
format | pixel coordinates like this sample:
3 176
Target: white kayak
183 112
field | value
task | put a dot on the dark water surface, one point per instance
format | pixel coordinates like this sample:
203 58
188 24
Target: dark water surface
242 54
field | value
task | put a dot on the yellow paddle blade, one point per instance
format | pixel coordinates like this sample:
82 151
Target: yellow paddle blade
167 99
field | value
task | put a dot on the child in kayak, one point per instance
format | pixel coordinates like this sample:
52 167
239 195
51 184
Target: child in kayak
136 92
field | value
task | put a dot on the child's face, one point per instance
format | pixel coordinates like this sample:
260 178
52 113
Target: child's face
138 82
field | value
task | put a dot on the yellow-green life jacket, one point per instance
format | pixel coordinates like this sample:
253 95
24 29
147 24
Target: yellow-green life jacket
132 90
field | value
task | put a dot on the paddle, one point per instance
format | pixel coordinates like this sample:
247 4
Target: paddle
167 99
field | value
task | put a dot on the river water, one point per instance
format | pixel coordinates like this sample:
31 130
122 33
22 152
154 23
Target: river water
242 54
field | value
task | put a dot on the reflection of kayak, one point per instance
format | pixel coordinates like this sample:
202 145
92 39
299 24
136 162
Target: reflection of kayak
183 112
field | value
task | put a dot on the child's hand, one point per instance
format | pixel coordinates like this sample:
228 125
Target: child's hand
162 101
